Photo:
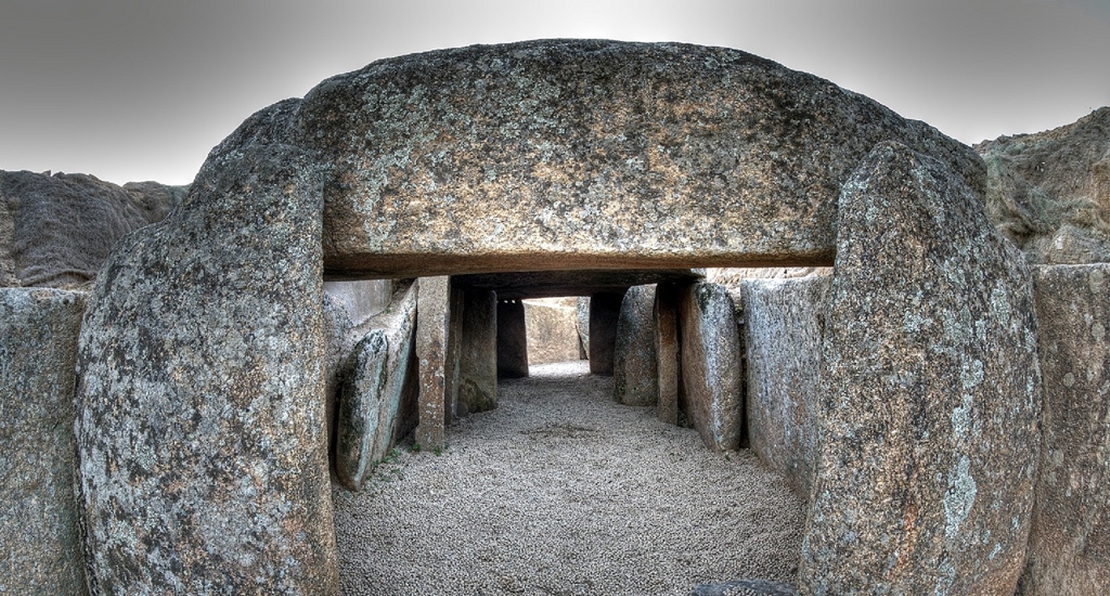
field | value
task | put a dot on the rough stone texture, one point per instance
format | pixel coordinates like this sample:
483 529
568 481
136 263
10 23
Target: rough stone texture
552 328
782 337
635 365
63 226
494 158
711 369
667 349
745 587
583 312
1049 192
605 309
40 545
201 439
929 434
512 340
1069 553
373 412
433 319
478 352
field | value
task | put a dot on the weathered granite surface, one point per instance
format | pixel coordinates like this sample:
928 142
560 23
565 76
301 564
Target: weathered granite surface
635 366
58 229
552 329
711 368
40 545
1069 550
745 587
201 443
782 337
730 158
1049 192
478 352
433 320
929 415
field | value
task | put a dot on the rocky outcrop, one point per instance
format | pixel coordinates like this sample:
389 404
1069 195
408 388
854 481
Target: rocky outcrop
1069 551
201 439
782 338
58 229
929 416
1049 192
711 369
635 368
509 154
40 544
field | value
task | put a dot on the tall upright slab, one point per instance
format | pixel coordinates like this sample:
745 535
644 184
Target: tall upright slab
929 415
712 371
201 440
635 364
433 321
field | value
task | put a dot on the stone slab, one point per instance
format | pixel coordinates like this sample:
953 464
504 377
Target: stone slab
605 309
433 320
512 340
712 372
552 328
636 363
478 352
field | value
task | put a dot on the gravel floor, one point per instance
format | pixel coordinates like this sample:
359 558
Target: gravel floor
562 491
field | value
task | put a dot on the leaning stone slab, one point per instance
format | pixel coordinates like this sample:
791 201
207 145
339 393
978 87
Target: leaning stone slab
635 365
711 366
40 545
782 337
202 453
1069 550
929 415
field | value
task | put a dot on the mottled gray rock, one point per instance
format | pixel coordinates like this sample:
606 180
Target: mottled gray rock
373 411
782 337
668 351
1069 550
711 367
605 309
583 312
552 328
1049 192
508 154
201 439
62 227
40 545
745 587
433 321
512 340
929 432
636 367
478 352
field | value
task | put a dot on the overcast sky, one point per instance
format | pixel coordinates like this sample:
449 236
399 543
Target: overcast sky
142 89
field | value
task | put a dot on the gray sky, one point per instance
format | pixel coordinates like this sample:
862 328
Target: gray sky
142 89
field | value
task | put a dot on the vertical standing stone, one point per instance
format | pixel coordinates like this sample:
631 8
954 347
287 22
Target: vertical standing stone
1069 551
40 546
201 439
635 366
711 368
452 357
667 349
605 309
478 352
512 340
929 432
433 316
783 343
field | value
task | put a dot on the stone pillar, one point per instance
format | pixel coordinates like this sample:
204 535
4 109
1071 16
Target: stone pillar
929 414
667 350
711 367
478 353
512 340
452 357
40 545
635 364
433 318
605 309
1069 549
782 337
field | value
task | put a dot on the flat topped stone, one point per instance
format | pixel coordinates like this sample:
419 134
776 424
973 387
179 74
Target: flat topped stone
575 154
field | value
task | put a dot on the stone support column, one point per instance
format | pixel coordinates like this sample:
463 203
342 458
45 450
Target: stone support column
512 340
605 310
668 351
433 317
477 388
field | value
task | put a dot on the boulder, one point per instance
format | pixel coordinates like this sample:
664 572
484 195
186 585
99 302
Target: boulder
201 439
635 367
1069 549
552 328
932 391
711 368
40 544
608 154
1049 192
59 229
782 338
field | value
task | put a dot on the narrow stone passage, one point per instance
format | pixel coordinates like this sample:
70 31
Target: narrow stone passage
562 491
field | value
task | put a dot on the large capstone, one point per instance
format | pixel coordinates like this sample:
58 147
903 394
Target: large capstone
929 413
1069 551
201 441
40 544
